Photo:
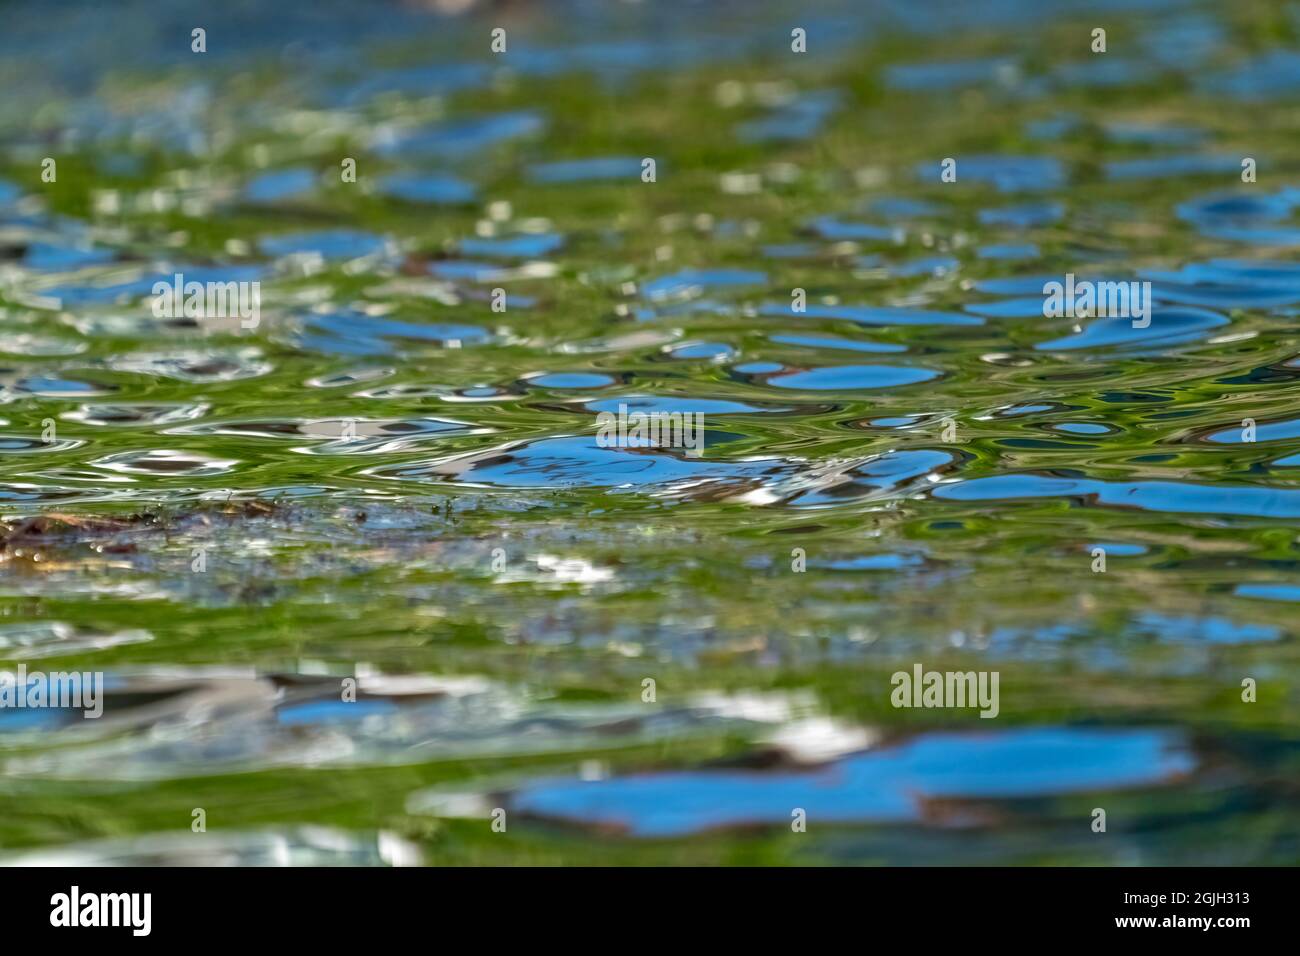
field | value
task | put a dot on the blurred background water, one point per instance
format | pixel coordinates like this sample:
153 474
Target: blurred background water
389 481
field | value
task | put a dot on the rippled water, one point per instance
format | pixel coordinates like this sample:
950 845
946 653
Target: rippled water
390 479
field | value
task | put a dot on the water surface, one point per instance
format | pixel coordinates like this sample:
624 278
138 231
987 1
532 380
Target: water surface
394 478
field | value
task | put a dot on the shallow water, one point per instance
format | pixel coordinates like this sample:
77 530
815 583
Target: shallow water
391 481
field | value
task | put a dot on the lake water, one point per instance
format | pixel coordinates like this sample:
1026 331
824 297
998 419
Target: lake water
365 585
